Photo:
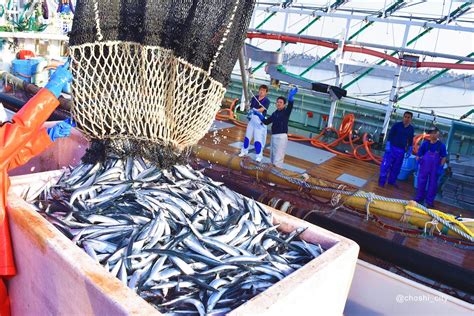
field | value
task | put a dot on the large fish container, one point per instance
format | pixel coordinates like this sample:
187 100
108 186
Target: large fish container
56 277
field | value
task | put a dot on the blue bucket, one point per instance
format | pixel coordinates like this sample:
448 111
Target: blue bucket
408 166
25 68
404 174
410 162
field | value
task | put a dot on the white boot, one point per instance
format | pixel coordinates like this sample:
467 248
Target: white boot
258 158
243 153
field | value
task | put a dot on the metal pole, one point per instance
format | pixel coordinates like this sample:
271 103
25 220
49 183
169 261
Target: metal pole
362 44
294 10
285 27
391 7
449 11
335 5
243 62
246 100
339 69
395 87
385 9
365 73
424 83
465 115
301 31
265 20
333 50
467 4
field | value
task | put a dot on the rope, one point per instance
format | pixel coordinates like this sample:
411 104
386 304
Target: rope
370 200
444 217
336 197
446 220
434 224
224 38
249 165
97 21
405 215
411 232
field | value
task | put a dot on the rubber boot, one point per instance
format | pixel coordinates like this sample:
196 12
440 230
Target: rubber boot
258 151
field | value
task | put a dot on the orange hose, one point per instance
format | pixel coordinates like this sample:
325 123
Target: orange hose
360 50
228 115
376 159
344 131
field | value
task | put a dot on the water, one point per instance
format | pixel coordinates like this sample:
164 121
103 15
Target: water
446 101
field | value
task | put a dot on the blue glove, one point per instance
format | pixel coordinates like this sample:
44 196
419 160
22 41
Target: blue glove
255 112
440 170
409 151
59 79
260 115
387 147
60 130
291 94
249 115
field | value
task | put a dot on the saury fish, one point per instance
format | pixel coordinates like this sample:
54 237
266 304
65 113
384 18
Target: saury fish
183 242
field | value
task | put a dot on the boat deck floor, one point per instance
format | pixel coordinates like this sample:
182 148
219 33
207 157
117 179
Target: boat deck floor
301 157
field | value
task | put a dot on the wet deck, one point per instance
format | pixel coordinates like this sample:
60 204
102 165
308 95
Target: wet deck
352 171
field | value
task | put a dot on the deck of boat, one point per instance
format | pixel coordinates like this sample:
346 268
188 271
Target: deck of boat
333 168
375 238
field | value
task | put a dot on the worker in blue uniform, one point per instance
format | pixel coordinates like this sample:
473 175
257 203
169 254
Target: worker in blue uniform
255 129
279 120
399 145
431 158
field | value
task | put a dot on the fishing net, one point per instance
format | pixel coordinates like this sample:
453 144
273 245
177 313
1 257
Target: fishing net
152 73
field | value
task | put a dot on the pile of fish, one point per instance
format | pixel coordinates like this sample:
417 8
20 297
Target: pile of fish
183 242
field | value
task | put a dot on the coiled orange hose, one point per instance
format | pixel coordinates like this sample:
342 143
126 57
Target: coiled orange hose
228 115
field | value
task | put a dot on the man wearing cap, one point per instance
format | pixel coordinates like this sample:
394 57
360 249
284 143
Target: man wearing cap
431 157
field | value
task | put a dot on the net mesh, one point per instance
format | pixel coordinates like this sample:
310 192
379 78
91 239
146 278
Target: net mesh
153 71
128 90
